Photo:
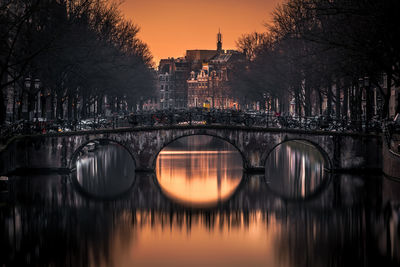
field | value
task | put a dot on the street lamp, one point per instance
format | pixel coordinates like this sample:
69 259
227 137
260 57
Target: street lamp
37 96
28 84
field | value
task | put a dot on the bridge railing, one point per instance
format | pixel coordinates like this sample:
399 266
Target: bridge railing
221 117
194 117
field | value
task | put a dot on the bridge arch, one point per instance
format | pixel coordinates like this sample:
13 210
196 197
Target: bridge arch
206 133
314 144
75 154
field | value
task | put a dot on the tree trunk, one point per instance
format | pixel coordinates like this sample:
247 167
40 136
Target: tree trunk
353 114
100 105
345 101
52 106
112 104
359 112
84 106
320 100
297 101
329 101
337 96
368 112
31 104
386 97
307 104
59 108
75 108
2 107
69 107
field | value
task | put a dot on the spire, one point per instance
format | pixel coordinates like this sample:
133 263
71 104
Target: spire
219 41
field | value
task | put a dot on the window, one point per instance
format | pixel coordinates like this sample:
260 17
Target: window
166 87
162 87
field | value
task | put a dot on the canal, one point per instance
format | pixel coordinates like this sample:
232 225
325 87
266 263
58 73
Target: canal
200 208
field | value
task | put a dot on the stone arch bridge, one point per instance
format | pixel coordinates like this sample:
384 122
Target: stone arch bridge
343 151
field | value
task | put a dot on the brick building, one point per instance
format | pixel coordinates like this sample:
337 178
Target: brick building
200 79
208 86
173 74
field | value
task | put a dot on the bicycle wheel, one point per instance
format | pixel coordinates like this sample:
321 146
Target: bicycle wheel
248 122
313 125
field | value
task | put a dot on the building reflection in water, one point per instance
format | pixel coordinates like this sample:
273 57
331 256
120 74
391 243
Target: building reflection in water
353 222
199 170
104 170
295 169
45 223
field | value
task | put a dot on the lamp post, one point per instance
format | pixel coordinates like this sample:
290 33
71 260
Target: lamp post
37 97
28 89
264 102
368 108
27 82
359 98
364 84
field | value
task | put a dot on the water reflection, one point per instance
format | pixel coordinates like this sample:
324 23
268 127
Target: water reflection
46 223
353 222
199 170
104 169
295 170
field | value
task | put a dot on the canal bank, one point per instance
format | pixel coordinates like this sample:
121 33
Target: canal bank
391 162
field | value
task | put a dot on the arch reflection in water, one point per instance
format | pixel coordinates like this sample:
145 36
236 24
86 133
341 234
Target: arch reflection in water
295 170
104 169
199 170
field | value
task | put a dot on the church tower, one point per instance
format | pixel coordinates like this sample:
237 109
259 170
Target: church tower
219 41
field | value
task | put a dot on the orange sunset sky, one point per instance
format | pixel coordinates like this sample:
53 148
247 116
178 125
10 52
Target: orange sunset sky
170 27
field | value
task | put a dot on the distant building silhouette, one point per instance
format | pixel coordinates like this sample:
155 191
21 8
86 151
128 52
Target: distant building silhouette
219 41
200 79
209 85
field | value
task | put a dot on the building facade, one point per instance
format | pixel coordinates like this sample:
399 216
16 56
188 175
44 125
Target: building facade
209 85
172 85
200 79
167 91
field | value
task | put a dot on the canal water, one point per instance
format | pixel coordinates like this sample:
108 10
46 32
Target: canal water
200 208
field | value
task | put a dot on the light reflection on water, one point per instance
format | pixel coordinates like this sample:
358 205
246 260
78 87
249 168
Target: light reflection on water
295 169
354 222
192 174
105 171
162 239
